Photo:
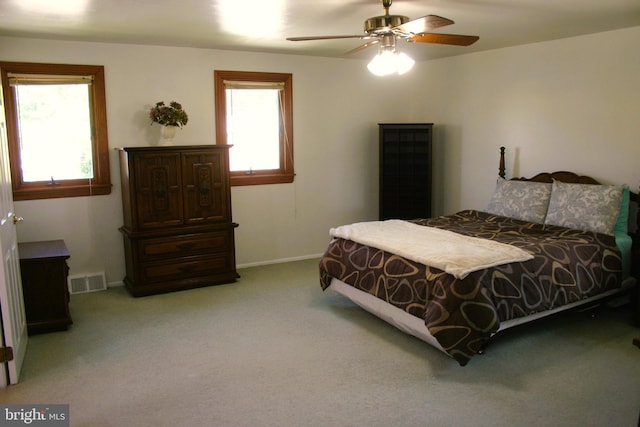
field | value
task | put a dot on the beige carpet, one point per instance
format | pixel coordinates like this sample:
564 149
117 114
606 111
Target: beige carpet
274 350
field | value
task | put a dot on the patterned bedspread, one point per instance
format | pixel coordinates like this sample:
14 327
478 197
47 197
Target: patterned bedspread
462 315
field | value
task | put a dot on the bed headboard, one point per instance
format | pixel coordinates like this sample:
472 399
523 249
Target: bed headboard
571 177
562 176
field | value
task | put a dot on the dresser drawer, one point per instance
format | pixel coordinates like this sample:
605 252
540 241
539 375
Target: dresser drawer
185 245
184 268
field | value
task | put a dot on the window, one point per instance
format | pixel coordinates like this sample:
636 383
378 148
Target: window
254 114
57 130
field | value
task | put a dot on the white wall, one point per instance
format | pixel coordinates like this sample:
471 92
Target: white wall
571 104
567 104
337 105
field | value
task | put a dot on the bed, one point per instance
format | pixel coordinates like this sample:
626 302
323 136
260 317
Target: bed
542 245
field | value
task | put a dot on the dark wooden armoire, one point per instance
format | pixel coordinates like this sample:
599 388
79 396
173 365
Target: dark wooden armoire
178 232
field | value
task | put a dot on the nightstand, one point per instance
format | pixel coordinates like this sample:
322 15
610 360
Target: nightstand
44 271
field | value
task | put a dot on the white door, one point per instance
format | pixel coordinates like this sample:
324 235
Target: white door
14 320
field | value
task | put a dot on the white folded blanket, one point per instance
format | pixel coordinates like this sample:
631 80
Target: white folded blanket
451 252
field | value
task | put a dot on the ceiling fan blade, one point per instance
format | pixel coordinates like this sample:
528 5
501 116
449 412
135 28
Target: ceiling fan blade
424 24
453 39
298 39
363 47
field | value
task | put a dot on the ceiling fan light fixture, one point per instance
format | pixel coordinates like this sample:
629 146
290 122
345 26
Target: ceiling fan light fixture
384 30
404 63
389 61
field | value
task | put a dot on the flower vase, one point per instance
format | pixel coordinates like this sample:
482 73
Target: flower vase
167 133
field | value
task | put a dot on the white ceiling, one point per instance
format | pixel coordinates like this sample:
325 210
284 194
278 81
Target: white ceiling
263 25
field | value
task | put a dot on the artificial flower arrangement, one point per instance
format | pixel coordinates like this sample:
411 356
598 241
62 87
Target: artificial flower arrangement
168 115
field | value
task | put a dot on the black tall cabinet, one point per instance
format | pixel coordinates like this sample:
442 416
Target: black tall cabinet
405 170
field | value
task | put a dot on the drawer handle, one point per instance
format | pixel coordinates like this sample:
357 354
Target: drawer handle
186 246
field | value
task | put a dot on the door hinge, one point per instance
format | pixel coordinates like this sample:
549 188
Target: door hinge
6 354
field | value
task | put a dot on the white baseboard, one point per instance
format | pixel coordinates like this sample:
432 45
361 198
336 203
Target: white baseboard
115 284
279 261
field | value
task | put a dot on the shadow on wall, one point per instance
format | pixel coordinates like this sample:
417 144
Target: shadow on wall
447 170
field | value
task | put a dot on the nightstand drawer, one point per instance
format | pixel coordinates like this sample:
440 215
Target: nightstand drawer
185 245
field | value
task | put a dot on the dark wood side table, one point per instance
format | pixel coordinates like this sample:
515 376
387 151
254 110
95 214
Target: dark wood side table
44 272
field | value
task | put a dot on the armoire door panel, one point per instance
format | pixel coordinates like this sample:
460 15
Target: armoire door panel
159 199
205 187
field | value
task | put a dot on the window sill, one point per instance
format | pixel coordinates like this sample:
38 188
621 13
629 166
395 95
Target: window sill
61 191
240 178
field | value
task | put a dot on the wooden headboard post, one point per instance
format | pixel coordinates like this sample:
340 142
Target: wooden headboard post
501 168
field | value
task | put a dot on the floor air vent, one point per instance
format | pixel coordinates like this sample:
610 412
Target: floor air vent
89 282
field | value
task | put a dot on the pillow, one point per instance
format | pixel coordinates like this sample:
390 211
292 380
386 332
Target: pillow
584 206
524 200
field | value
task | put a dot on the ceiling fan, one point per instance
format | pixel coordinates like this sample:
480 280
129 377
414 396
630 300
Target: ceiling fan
386 29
